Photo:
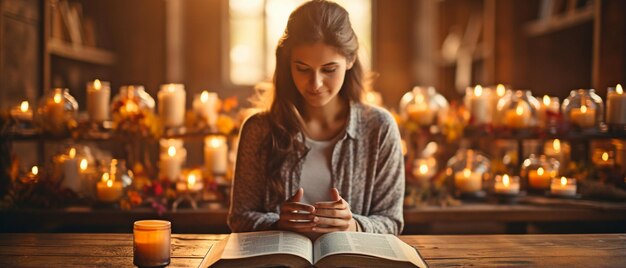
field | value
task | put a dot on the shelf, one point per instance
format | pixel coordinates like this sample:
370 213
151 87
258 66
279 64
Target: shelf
559 22
81 53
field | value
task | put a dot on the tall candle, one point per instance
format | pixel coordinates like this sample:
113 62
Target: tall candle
563 187
467 181
109 191
151 243
506 184
205 105
518 117
171 163
172 105
500 92
584 117
56 110
480 106
539 178
616 106
98 95
216 154
71 179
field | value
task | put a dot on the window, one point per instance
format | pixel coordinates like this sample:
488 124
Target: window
256 26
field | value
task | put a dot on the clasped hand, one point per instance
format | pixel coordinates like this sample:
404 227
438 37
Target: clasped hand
322 217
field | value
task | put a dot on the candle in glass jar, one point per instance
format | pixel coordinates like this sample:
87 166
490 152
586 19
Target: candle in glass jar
151 243
109 191
506 184
616 106
172 105
584 117
467 181
193 183
98 95
419 111
171 163
539 178
563 187
216 154
518 117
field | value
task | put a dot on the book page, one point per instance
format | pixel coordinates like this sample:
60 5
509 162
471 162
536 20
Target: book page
379 245
243 245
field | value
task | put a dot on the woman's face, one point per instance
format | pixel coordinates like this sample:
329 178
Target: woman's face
318 71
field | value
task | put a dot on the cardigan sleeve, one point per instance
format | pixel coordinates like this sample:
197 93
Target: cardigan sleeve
247 212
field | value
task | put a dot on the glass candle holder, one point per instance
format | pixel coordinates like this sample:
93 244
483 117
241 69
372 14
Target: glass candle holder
538 171
172 105
506 184
469 172
130 101
518 111
583 108
559 150
57 108
563 187
478 101
422 105
616 108
549 111
151 243
501 94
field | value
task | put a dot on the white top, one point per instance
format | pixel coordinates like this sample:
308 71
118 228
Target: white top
316 177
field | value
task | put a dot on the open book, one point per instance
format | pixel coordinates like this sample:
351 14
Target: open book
338 249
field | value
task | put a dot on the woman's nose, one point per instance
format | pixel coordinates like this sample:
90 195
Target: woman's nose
316 80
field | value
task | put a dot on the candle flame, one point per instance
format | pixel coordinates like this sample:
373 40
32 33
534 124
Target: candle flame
546 100
556 145
83 164
105 176
215 142
478 91
540 171
467 173
171 87
191 180
57 98
619 89
563 181
583 109
204 97
171 151
505 180
519 110
605 156
109 183
97 85
500 90
423 169
131 107
72 153
24 106
34 170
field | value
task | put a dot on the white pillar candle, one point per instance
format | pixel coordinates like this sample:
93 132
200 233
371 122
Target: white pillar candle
205 105
584 117
563 187
506 184
108 190
172 105
151 243
98 97
216 154
480 105
71 178
616 106
518 117
170 163
467 181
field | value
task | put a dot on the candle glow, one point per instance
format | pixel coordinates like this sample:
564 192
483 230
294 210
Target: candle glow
423 169
563 181
57 98
500 90
556 144
583 109
72 153
97 85
478 91
83 164
546 100
505 180
34 170
171 151
519 110
619 89
204 97
109 183
105 176
24 106
605 156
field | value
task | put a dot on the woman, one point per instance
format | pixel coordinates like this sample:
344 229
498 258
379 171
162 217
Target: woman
319 160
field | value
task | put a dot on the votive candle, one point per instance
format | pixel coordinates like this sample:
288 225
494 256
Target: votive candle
98 98
151 243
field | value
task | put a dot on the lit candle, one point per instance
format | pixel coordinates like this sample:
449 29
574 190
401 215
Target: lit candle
108 190
216 154
98 95
602 158
616 106
507 185
205 105
23 112
518 117
500 92
563 187
192 184
171 163
539 178
55 111
172 105
584 117
424 169
479 105
33 175
71 178
151 243
419 111
467 181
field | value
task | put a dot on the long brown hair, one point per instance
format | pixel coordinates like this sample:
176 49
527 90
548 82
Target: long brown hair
314 21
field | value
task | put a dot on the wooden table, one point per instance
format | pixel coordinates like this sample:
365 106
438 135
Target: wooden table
115 250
